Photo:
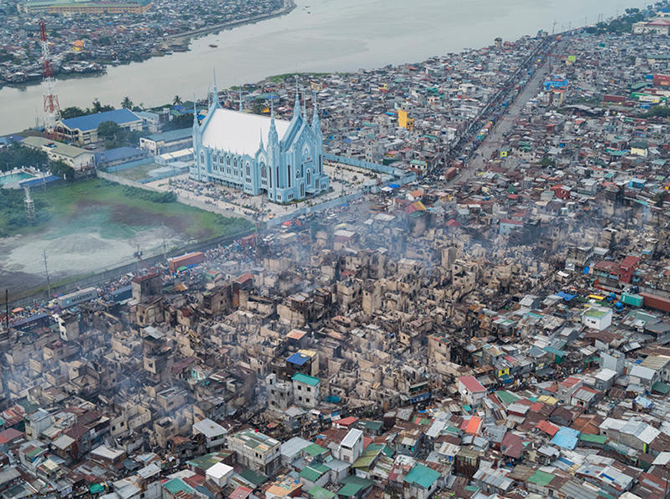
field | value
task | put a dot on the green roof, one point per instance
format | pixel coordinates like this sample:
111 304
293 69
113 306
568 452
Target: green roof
661 388
368 457
251 476
373 425
507 397
308 380
597 313
320 493
353 485
595 439
541 478
314 471
315 450
423 476
177 485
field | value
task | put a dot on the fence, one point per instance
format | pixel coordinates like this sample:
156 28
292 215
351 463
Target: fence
359 163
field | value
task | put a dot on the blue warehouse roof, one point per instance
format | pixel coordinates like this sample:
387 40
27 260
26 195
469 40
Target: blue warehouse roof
118 154
91 121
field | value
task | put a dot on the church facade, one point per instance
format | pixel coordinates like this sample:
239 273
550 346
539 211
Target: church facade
259 155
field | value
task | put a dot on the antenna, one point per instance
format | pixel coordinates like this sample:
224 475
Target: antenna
46 271
51 104
30 206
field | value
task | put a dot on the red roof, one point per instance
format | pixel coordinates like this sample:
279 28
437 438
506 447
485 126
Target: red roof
547 427
346 421
240 493
471 384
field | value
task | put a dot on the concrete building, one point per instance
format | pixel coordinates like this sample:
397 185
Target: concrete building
83 130
471 390
597 318
306 390
75 157
256 450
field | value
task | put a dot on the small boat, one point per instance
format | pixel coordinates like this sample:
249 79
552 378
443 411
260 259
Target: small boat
213 46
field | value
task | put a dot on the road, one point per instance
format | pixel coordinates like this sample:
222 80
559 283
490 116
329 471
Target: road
508 120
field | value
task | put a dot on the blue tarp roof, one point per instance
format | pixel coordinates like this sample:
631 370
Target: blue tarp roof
91 121
565 296
566 438
394 186
298 359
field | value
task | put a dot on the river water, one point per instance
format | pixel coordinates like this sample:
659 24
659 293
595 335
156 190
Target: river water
318 36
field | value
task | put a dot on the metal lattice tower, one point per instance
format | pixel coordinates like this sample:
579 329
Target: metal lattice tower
30 206
51 104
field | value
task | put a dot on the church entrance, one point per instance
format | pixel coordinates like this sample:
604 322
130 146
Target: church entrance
302 190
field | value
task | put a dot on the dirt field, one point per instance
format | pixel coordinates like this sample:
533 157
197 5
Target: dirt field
96 225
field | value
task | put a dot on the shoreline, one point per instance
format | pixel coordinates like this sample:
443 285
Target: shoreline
173 42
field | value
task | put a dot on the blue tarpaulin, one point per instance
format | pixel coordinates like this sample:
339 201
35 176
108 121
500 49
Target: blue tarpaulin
566 438
565 296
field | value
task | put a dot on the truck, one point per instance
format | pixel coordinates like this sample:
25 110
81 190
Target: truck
188 260
77 297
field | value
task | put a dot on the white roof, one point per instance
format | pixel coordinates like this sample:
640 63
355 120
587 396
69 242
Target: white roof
219 470
209 428
351 438
239 132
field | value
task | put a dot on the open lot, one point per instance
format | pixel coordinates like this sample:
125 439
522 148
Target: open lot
96 225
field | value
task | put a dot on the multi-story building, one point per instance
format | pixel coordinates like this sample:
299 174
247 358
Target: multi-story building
256 450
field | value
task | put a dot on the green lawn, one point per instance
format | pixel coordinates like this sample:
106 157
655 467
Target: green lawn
119 212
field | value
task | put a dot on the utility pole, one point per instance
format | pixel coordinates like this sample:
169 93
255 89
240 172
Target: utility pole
46 271
7 310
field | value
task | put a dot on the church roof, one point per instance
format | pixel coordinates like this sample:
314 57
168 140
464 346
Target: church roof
239 132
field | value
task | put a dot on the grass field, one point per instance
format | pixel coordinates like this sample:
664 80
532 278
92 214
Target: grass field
118 214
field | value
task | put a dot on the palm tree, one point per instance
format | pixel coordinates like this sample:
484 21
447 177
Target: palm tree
177 101
126 103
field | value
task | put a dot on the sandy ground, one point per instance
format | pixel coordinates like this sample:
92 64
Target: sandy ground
22 262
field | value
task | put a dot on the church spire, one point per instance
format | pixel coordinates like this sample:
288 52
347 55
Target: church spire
195 113
315 117
296 109
273 136
260 132
215 90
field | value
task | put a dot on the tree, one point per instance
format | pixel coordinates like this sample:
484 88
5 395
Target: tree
62 169
259 106
99 108
182 121
126 103
177 101
72 112
110 131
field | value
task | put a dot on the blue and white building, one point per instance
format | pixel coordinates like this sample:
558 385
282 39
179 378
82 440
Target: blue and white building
259 155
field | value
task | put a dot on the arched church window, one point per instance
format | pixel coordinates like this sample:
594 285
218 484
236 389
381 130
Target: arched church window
264 171
235 162
248 169
202 158
309 177
290 177
228 160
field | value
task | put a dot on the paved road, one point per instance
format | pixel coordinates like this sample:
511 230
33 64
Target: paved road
506 122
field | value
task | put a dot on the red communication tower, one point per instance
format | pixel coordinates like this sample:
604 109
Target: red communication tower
51 105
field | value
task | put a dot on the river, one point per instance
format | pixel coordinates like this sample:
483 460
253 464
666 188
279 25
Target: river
318 36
